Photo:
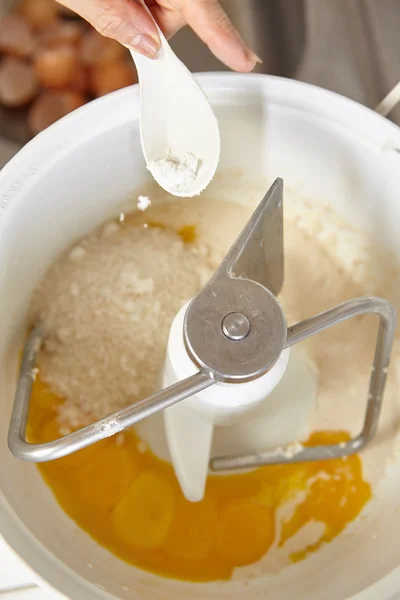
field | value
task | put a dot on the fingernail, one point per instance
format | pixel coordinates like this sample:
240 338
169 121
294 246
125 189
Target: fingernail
146 45
253 56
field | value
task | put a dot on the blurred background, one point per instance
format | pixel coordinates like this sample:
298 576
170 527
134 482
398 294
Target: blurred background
51 62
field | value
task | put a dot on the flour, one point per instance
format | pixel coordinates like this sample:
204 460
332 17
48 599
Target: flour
143 203
176 172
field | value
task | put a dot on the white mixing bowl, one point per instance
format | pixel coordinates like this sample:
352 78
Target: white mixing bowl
78 173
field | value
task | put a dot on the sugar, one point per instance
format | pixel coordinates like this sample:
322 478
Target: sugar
107 312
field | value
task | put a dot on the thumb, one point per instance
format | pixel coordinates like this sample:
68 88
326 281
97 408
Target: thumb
123 20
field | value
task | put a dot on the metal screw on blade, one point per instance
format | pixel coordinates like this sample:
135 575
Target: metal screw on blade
236 326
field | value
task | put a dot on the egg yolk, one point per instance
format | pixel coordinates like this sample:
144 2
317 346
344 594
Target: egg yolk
129 501
143 516
244 531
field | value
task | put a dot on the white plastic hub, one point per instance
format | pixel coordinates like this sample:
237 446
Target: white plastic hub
189 425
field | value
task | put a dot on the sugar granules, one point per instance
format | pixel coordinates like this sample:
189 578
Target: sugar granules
107 306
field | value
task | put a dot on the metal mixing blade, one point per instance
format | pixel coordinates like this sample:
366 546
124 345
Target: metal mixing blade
234 331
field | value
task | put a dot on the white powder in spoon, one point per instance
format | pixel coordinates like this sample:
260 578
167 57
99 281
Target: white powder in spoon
176 172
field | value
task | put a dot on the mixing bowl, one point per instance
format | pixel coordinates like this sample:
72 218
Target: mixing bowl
84 169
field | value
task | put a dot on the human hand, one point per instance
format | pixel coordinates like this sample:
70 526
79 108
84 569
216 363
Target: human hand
129 23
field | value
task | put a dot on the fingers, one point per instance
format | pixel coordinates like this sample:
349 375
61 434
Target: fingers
169 19
209 21
130 24
123 20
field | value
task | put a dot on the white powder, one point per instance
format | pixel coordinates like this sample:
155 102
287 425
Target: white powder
143 203
176 172
288 451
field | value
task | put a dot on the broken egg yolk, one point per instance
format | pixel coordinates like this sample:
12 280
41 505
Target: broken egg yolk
129 501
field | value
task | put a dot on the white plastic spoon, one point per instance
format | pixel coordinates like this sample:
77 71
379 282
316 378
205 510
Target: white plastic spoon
179 130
